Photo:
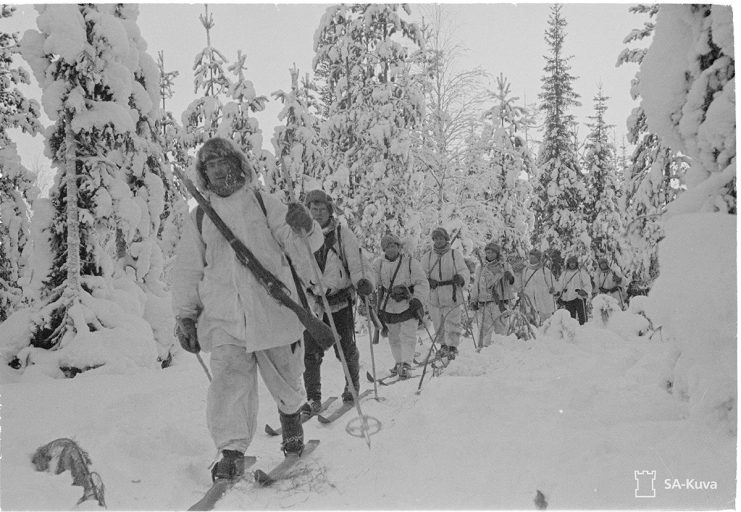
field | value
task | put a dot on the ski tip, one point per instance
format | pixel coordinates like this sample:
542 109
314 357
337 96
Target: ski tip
369 377
262 478
322 419
270 430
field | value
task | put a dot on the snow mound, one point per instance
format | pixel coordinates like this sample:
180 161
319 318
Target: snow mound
560 326
695 300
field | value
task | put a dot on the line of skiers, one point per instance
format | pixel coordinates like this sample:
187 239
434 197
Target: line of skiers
220 307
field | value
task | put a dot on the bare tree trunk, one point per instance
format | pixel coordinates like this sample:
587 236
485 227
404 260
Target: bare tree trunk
74 267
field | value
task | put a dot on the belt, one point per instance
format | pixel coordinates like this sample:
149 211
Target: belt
395 318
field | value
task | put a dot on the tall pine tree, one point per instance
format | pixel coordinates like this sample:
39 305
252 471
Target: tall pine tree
560 189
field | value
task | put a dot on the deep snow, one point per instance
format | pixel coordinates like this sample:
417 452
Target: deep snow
573 419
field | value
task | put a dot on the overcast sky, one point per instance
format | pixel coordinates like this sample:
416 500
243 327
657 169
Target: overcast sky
501 38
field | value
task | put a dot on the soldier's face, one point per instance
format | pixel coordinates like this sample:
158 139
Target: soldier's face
534 258
391 251
224 176
319 212
603 265
439 241
491 254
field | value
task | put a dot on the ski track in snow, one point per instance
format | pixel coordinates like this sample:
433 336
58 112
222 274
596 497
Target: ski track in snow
574 420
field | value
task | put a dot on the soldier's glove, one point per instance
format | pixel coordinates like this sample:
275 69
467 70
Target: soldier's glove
509 277
299 218
364 287
434 283
459 281
474 305
602 290
187 334
399 293
416 306
581 293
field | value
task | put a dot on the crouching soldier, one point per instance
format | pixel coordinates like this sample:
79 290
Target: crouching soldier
221 308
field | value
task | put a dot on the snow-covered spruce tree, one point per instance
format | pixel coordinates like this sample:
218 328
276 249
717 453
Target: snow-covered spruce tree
238 125
653 178
368 131
170 138
224 105
16 182
604 188
480 213
453 100
688 90
510 165
202 117
297 147
560 189
100 88
692 108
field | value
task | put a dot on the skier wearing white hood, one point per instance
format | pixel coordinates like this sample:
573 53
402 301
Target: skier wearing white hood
539 285
220 306
574 288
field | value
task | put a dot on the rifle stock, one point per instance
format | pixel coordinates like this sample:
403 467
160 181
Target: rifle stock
318 330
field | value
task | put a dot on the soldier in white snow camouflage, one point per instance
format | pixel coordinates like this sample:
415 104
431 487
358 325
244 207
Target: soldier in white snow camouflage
221 308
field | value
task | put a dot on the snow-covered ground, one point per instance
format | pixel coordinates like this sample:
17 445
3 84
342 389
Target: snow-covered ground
574 419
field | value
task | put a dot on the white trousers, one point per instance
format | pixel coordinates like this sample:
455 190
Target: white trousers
488 313
447 322
402 340
232 401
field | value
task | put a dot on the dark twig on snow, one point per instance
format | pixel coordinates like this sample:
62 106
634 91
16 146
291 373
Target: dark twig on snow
69 456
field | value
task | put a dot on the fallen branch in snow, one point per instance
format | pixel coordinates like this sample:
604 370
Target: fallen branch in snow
71 457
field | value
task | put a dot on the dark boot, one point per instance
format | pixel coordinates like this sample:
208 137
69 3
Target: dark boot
293 433
313 371
311 407
230 467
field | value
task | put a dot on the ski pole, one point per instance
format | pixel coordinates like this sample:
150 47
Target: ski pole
468 319
203 365
325 303
433 342
368 318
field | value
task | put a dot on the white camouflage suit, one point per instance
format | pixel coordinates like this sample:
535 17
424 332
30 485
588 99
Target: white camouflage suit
610 281
490 286
402 335
447 301
537 283
238 322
